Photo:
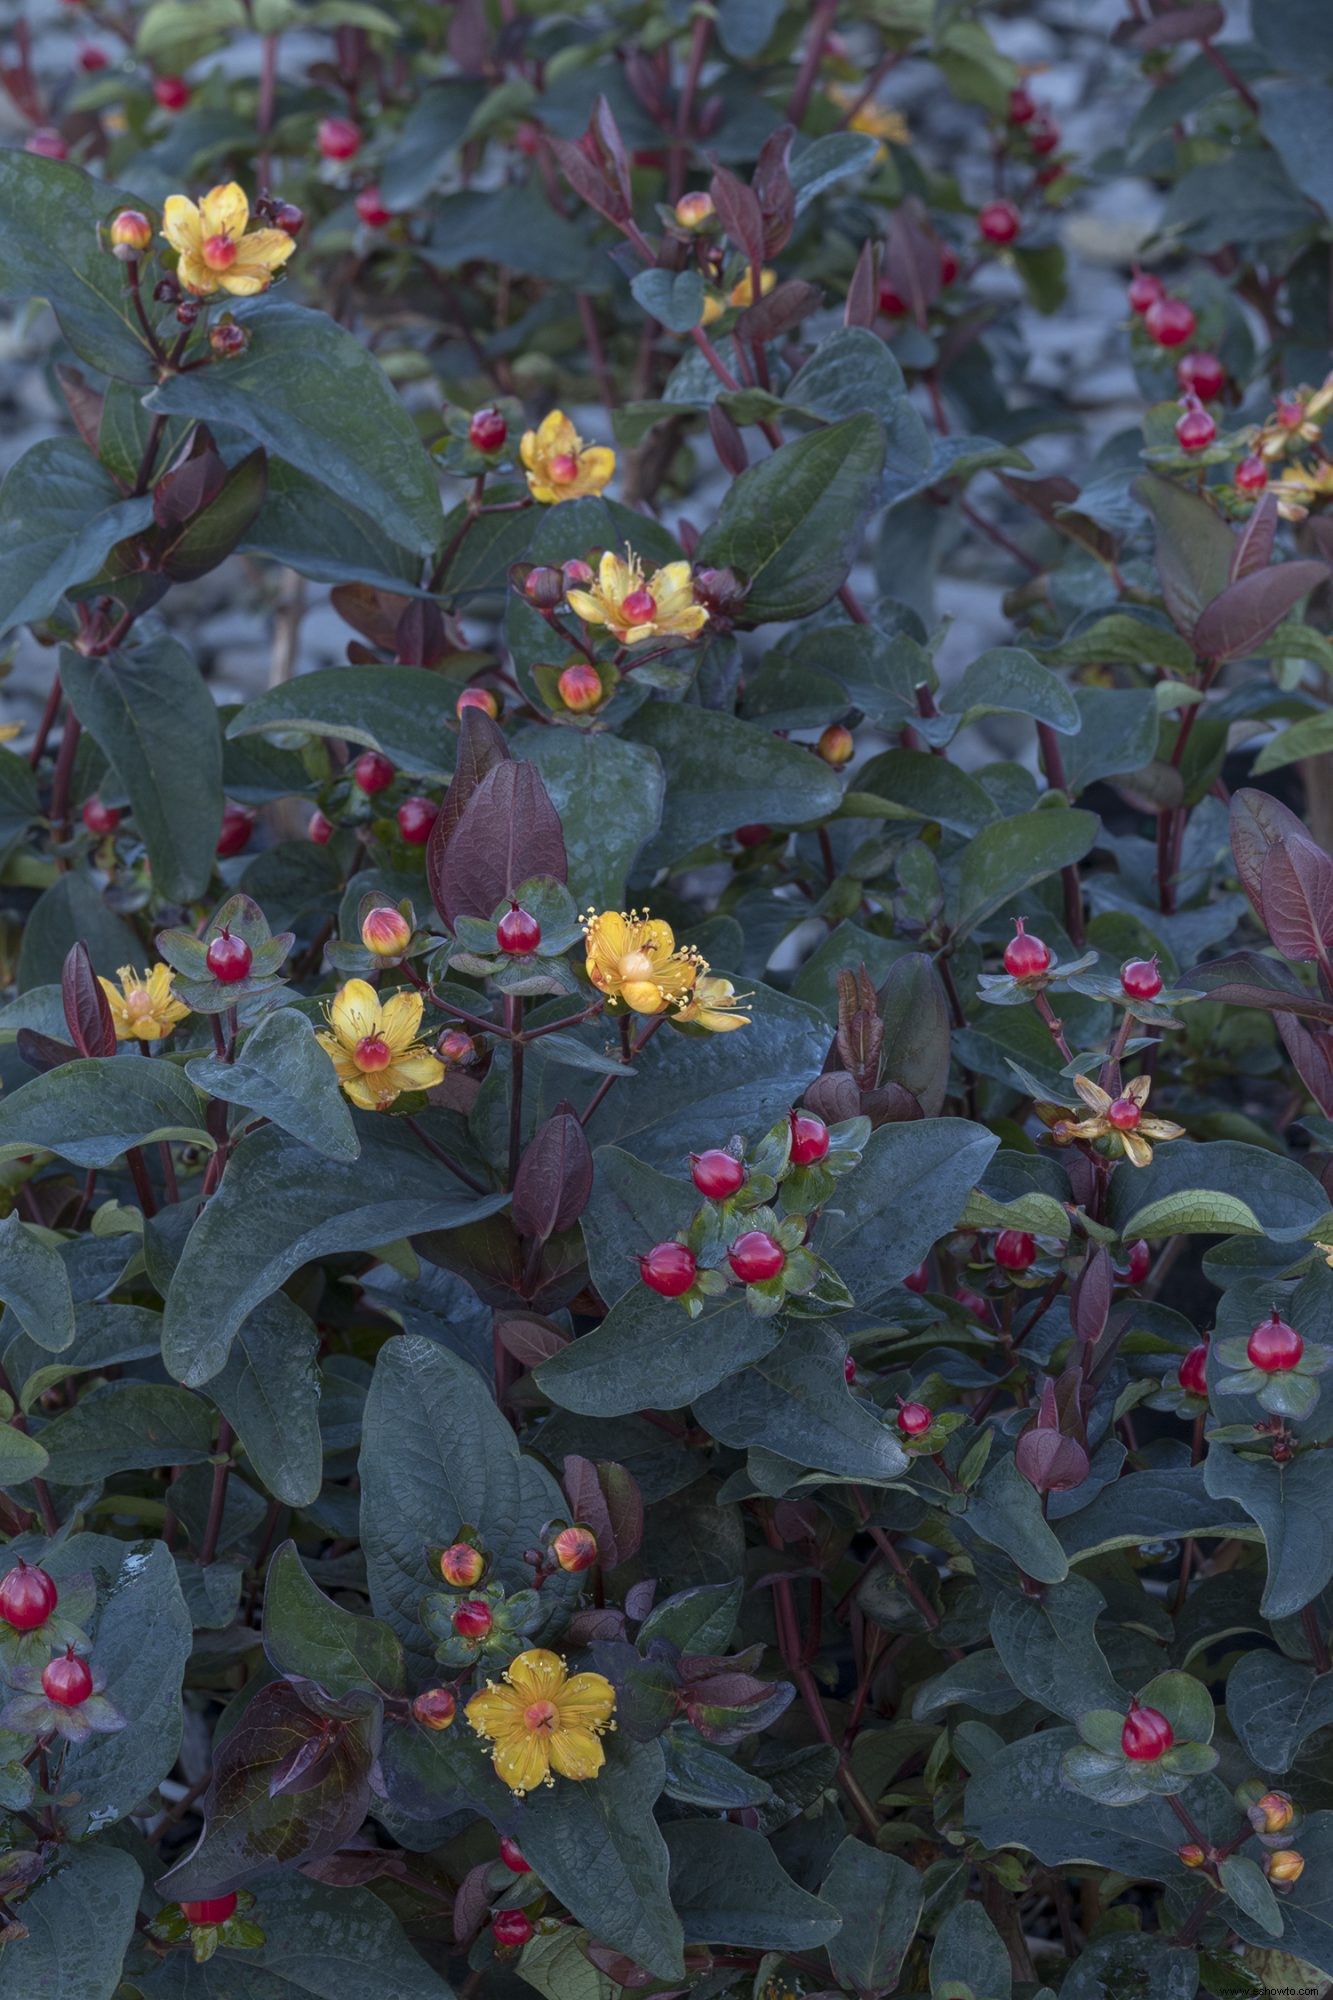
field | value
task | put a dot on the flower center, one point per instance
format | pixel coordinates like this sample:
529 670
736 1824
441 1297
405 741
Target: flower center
639 606
372 1052
138 1001
219 253
634 966
564 467
1124 1114
541 1716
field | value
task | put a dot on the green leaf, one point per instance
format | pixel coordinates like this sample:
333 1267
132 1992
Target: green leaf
141 1642
1247 1885
50 214
175 33
911 784
1311 737
1004 860
406 712
1146 1506
1292 1506
60 516
1274 1704
1296 116
722 773
822 163
92 1110
34 1285
1220 1188
1132 1962
1049 1650
1125 640
674 297
436 1454
1006 1512
555 1965
281 1073
143 708
310 392
306 1634
1008 681
1306 1905
792 524
79 1922
269 1394
795 1401
71 912
648 1349
21 1457
125 1427
278 1207
728 1887
909 1190
1194 548
968 1960
608 793
325 536
878 1897
1117 735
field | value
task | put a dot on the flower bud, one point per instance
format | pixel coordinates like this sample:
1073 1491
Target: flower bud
544 587
478 697
1191 1854
461 1563
288 218
837 745
435 1709
1273 1813
721 593
385 931
47 144
129 235
580 687
578 573
228 339
1284 1864
693 211
456 1049
575 1549
187 312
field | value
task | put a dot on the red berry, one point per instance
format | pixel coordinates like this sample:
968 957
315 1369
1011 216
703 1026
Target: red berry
913 1418
229 958
99 818
1146 1736
1144 291
972 1301
47 144
891 303
1022 105
528 139
289 218
716 1174
488 430
1274 1346
1201 375
1170 322
948 264
848 1370
918 1280
1251 475
518 931
753 835
27 1597
237 826
511 1928
809 1138
1025 957
756 1256
1043 133
1123 1115
1195 430
319 829
512 1856
1290 412
638 606
370 208
999 222
338 138
1140 979
1194 1371
171 92
669 1269
1140 1259
1014 1250
473 1618
91 59
416 816
372 772
66 1680
213 1909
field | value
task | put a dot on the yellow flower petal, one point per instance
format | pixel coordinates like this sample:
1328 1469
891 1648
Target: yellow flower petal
495 1712
1092 1094
523 1761
181 224
224 211
588 1699
643 997
267 247
575 1753
354 1012
400 1018
538 1674
195 275
1137 1150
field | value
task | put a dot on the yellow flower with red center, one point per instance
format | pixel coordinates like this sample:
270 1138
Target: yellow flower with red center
543 1719
633 607
143 1006
1123 1117
740 295
633 961
712 1006
559 465
373 1047
218 249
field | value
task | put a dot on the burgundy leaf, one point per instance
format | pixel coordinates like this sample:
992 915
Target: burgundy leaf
727 440
87 1010
1296 899
912 260
740 215
472 1902
481 748
1245 980
1090 1298
1169 29
419 640
554 1178
1258 822
42 1052
1049 1462
774 191
1254 543
1238 620
1312 1053
532 1339
781 310
862 303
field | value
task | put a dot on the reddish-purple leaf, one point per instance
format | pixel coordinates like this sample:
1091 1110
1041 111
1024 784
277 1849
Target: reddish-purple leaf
774 191
1254 543
532 1339
554 1179
1168 29
1090 1298
87 1010
727 440
1312 1053
777 313
912 260
1296 899
862 304
1194 549
1241 617
739 213
1258 822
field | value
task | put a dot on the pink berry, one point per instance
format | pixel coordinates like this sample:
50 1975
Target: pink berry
478 697
756 1256
487 430
512 1856
1022 105
1025 957
370 208
27 1597
518 932
319 828
914 1418
99 818
211 1910
999 222
1144 291
1251 475
91 59
848 1370
918 1280
753 835
891 303
238 823
1146 1736
716 1174
511 1928
1015 1250
638 606
473 1618
668 1269
416 816
1201 375
1194 1371
1274 1346
948 264
1195 430
47 144
229 958
580 687
172 93
1123 1115
338 138
372 772
1170 322
289 218
1043 134
1140 979
66 1680
1139 1261
809 1138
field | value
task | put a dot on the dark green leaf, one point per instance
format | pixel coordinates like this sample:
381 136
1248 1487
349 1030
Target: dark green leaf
404 711
90 1111
269 1394
34 1285
281 1073
1005 859
878 1898
60 515
728 1887
307 1635
79 1922
49 245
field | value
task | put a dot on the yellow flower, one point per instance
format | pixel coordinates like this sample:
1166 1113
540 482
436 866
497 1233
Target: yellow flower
1124 1117
9 730
875 120
559 465
543 1719
373 1045
633 960
216 253
634 608
741 294
143 1006
712 1006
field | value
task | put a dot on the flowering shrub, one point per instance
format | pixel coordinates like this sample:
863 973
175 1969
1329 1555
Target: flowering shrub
666 1259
